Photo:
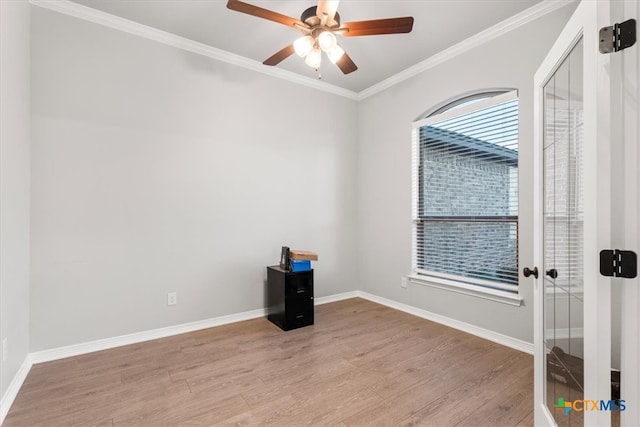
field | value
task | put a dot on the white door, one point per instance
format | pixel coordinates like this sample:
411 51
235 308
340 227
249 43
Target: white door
626 231
574 220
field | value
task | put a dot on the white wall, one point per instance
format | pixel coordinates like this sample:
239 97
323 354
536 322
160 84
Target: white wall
14 185
158 170
384 172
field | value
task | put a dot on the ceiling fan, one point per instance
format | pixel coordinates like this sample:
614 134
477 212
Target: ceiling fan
319 25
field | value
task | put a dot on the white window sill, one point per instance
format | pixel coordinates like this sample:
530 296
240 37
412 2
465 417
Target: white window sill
504 297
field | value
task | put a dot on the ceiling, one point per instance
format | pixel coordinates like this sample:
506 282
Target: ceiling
438 25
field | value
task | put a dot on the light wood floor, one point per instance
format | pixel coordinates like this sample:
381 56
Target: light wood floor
361 364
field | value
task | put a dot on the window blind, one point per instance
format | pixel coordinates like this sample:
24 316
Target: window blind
466 193
563 190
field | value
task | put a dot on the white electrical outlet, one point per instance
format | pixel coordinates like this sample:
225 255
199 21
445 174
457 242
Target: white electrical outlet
5 350
403 282
172 298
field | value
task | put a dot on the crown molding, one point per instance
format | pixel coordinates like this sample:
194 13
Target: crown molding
512 23
77 10
115 22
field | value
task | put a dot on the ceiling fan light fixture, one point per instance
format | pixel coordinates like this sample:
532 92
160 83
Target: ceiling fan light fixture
319 25
303 46
335 54
327 40
314 58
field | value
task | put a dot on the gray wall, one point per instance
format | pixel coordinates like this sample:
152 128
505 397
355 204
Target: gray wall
158 170
14 185
384 172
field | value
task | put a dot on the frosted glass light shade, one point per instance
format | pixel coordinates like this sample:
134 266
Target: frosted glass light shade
335 54
327 41
314 58
303 46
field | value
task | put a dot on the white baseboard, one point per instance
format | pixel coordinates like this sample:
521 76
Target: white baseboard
336 297
11 393
107 343
496 337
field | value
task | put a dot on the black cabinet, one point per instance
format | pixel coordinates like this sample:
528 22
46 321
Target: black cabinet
289 297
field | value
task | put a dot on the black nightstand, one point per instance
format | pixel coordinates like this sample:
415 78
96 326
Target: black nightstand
289 298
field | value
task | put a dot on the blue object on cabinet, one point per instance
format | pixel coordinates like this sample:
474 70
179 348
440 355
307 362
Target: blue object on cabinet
300 265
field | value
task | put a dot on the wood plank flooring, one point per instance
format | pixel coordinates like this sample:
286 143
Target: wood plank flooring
361 364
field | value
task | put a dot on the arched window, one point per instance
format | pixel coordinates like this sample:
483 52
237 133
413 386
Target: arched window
465 191
464 100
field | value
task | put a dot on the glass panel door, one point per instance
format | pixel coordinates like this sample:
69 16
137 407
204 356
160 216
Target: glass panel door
573 109
563 215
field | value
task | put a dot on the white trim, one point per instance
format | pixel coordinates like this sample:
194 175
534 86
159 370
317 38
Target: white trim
565 333
107 343
454 102
13 389
587 18
629 132
336 297
598 111
541 413
496 337
102 18
115 22
546 419
462 281
476 106
496 295
516 21
137 337
477 287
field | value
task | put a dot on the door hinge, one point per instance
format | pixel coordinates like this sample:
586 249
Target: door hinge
617 263
618 36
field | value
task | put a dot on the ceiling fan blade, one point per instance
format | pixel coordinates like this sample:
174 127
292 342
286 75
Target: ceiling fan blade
279 56
249 9
327 10
346 64
378 26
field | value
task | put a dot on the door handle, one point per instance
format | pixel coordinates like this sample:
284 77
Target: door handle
553 273
529 272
